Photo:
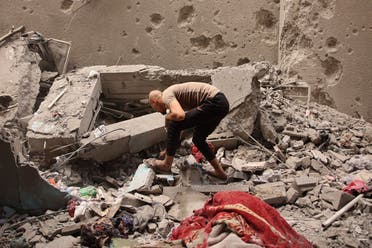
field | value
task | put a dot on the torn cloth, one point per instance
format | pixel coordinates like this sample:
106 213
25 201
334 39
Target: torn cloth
356 186
253 220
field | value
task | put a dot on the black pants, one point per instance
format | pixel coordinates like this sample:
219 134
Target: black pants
205 118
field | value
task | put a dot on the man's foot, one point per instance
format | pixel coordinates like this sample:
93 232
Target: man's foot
158 165
218 171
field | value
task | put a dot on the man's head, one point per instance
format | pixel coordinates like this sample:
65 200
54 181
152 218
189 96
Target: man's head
156 101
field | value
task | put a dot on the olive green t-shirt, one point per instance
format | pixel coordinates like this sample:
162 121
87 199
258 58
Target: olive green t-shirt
189 95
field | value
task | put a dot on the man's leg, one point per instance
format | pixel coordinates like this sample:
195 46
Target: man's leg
199 139
173 139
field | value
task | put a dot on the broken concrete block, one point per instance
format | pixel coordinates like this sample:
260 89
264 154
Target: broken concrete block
266 127
151 227
70 117
144 198
304 202
336 197
71 229
243 95
165 227
162 199
241 165
365 205
318 155
155 189
304 183
126 136
296 135
270 176
225 139
20 75
292 195
297 144
142 179
22 188
235 174
272 193
318 166
132 200
296 162
338 156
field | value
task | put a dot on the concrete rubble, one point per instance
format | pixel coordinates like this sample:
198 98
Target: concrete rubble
90 135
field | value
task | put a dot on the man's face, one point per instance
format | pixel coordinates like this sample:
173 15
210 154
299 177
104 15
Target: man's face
157 106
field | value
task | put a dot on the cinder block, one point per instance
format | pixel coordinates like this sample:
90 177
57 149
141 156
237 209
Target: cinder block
336 197
226 140
304 183
272 193
292 195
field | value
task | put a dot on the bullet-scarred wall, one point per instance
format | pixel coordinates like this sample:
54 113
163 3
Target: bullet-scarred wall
324 42
169 33
327 43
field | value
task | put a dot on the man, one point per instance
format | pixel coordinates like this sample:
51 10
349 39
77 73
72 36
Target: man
187 105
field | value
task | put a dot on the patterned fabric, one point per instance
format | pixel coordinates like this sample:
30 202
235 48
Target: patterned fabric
253 220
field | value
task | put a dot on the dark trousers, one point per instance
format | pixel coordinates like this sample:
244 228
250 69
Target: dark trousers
205 118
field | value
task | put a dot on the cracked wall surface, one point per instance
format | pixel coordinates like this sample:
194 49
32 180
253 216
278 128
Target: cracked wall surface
169 33
327 44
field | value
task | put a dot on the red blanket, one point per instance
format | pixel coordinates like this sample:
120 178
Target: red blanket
249 217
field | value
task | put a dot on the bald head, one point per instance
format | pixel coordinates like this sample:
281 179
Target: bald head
154 95
156 101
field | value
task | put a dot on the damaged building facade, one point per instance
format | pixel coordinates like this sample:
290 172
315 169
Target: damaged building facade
76 127
323 43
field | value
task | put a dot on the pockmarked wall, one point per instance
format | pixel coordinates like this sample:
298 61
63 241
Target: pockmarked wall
170 33
328 43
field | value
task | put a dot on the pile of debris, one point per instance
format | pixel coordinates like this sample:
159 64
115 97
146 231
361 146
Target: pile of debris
304 159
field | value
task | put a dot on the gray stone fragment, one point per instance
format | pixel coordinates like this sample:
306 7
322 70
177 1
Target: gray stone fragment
272 193
336 197
304 183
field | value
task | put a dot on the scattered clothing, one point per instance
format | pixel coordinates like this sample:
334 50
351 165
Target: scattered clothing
356 186
248 217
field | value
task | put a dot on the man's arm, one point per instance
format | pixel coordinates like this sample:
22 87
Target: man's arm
176 111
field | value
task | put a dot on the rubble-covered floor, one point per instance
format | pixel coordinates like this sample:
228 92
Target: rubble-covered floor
346 155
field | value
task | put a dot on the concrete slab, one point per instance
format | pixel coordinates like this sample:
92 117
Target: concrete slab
225 139
241 87
53 126
131 136
23 189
